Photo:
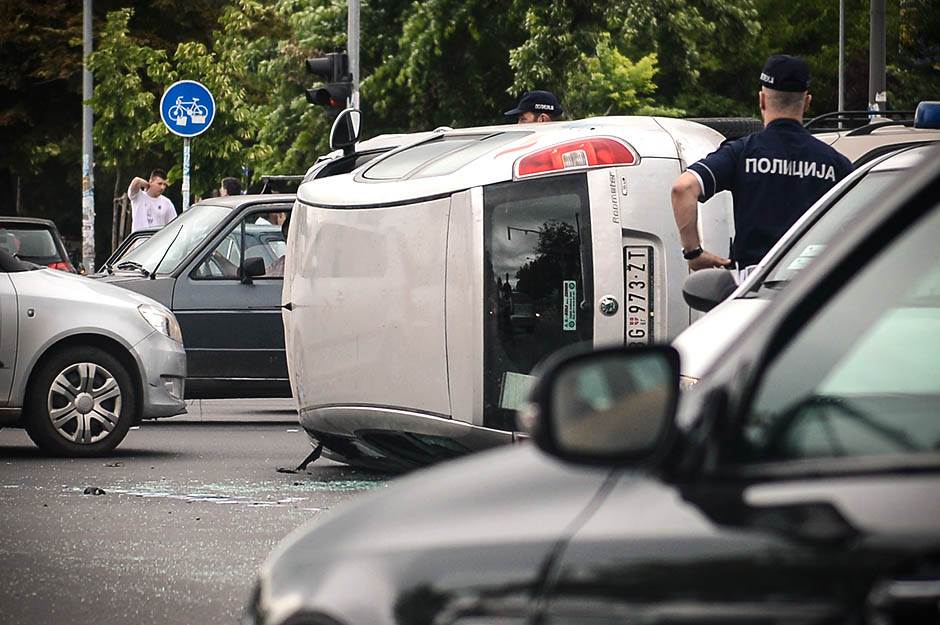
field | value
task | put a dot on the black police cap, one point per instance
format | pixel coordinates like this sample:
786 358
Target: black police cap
536 102
785 73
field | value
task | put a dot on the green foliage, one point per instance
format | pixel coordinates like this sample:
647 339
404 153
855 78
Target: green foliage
40 64
123 108
446 67
649 55
608 83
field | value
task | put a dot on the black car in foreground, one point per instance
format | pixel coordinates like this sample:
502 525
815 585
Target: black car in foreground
219 267
797 483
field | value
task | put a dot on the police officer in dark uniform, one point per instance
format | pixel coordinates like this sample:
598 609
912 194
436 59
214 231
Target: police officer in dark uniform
773 175
536 107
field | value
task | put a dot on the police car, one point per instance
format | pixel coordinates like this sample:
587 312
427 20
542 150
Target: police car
879 135
425 284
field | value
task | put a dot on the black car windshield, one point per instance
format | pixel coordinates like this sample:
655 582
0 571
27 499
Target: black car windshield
847 209
29 242
164 251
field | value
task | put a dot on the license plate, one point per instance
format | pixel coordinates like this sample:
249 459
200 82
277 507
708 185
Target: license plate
638 312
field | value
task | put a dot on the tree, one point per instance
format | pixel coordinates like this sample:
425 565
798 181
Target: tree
446 66
123 107
648 53
40 98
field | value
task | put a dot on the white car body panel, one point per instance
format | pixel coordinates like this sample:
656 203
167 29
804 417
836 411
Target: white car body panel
706 340
9 322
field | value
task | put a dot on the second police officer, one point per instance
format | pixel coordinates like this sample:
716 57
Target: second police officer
774 175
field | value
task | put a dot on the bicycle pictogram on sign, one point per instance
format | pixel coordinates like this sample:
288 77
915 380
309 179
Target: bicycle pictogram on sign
193 111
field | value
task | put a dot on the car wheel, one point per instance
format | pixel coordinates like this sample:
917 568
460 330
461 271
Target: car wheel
82 402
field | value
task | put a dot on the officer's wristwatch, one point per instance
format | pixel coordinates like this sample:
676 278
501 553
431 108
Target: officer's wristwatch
693 253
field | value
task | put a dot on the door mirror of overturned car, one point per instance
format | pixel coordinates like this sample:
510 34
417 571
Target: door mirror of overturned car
614 406
252 268
706 288
345 131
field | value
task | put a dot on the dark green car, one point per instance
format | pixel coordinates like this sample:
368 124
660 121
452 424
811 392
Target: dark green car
219 266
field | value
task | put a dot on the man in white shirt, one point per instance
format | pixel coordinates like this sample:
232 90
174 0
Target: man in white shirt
150 208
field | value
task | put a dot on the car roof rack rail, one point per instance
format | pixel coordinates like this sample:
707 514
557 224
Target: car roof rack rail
872 127
851 120
272 181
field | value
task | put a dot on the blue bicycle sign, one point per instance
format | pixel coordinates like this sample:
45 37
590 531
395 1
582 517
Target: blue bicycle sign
187 108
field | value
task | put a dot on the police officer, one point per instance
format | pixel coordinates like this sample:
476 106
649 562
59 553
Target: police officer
773 175
535 107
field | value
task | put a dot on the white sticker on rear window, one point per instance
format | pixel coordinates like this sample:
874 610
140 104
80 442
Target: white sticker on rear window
514 391
813 250
799 262
569 322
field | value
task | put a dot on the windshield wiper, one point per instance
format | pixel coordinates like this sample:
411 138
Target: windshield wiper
179 230
130 264
775 284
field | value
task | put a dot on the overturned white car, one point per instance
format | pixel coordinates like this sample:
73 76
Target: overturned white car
423 286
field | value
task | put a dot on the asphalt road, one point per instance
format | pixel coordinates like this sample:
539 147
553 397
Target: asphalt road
191 509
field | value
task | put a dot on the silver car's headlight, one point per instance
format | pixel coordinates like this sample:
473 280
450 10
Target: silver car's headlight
162 320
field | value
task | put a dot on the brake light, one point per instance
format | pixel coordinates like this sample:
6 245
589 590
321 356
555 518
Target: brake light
580 154
62 266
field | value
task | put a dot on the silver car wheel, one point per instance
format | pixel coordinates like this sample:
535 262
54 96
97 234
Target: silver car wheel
84 403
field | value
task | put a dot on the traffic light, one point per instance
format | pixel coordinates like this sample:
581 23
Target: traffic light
335 93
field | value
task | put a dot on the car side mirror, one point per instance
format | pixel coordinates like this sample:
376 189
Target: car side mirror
705 289
252 268
345 131
614 406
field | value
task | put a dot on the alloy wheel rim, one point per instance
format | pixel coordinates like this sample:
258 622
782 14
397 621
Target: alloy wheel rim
84 403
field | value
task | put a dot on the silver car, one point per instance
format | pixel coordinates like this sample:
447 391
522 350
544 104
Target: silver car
82 361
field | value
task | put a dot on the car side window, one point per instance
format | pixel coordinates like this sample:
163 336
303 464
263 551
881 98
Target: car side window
258 235
861 377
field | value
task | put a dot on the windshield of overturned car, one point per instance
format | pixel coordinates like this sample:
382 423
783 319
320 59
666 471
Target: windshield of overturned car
166 249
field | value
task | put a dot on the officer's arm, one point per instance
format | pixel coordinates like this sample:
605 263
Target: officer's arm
685 195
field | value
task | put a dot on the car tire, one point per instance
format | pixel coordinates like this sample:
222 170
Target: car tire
731 127
82 401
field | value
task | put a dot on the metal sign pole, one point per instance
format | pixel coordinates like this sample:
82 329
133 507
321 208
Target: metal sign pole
186 144
352 46
841 105
88 157
877 97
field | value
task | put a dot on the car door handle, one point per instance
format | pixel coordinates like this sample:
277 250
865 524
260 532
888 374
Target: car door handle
890 595
288 306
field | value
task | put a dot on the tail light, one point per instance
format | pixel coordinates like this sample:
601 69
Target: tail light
580 154
62 266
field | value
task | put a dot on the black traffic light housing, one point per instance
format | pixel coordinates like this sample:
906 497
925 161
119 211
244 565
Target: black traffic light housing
334 69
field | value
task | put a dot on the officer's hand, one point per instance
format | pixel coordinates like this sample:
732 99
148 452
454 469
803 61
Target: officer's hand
707 260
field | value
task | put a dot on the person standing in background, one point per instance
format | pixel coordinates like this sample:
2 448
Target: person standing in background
150 208
230 186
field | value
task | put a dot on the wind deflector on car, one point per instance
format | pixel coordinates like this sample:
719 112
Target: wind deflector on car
439 155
